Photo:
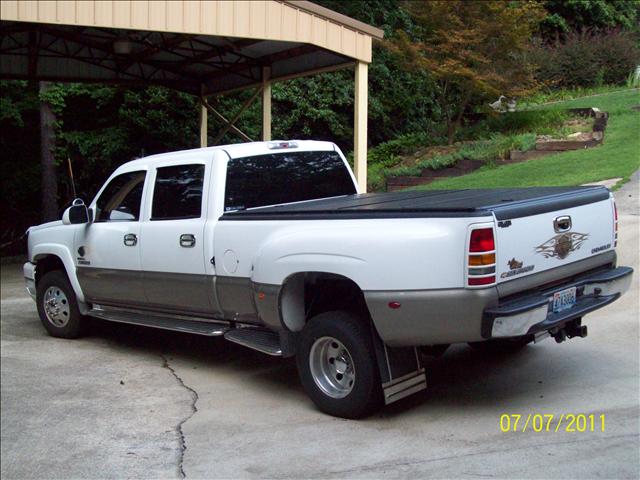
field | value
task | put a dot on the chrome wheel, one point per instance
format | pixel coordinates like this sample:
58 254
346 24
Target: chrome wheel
56 306
332 367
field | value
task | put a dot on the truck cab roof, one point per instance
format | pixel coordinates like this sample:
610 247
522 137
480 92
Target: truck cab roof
235 150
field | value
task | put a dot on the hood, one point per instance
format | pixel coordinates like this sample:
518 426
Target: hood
42 226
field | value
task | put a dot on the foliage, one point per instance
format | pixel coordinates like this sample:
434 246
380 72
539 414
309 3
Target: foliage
617 157
486 141
487 151
566 16
552 96
633 80
474 51
20 174
388 155
120 125
541 122
587 59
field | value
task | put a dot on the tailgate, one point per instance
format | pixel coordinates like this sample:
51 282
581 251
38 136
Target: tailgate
533 244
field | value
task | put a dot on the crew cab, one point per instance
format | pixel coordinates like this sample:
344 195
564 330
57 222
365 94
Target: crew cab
271 245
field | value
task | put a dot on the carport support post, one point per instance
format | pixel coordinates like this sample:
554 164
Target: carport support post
203 122
360 126
266 104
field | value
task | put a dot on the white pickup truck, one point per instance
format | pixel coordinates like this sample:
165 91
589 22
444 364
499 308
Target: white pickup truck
271 246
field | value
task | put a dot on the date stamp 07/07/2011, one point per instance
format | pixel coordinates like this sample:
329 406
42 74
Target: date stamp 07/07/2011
549 422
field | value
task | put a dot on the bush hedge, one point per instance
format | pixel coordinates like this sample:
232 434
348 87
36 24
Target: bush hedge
587 59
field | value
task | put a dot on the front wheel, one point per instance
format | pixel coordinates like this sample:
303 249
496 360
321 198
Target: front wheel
58 307
337 365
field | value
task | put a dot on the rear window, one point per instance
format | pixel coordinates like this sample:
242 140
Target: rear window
284 178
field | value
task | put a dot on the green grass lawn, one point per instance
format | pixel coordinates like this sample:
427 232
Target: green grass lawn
618 156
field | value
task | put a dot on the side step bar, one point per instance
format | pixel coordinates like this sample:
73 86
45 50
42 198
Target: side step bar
260 339
263 340
166 322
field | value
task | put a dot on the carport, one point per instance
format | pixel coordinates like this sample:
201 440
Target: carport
206 48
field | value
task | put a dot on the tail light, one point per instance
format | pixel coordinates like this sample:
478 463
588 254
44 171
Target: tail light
481 258
615 225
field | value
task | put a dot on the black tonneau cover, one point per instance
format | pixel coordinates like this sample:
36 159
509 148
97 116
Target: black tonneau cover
506 203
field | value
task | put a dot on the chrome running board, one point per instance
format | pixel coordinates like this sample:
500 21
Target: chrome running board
260 339
178 323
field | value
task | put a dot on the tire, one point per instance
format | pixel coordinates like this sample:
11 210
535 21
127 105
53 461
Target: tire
335 342
503 346
61 317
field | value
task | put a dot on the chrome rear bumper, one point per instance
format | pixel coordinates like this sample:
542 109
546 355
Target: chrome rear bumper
531 313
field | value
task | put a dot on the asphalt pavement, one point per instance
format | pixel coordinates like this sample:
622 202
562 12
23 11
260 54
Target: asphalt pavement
140 403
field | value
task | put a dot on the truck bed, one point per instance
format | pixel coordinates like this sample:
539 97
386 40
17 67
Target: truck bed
505 203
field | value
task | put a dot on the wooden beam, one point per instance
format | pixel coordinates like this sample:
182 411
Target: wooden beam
33 54
265 60
266 104
203 122
283 78
235 118
217 51
222 118
360 126
152 49
107 48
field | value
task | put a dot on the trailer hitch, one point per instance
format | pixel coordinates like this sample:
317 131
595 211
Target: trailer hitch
570 330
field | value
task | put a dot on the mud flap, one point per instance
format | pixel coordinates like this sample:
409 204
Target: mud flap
401 372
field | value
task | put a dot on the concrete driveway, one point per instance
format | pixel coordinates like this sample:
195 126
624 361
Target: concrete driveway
136 403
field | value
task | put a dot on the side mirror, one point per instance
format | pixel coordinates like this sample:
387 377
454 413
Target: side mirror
77 213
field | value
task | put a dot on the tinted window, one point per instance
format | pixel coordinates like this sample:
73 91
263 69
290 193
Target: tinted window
284 178
178 192
120 200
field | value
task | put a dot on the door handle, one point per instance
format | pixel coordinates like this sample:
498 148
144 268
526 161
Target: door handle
130 239
187 240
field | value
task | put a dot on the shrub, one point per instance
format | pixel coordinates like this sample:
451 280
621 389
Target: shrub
587 59
539 121
486 151
633 81
387 154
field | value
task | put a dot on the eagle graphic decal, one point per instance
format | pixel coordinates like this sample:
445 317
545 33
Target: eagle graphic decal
562 245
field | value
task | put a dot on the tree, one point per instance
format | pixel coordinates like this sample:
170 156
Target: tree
474 51
566 16
48 182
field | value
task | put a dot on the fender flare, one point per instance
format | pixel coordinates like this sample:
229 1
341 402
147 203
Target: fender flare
64 254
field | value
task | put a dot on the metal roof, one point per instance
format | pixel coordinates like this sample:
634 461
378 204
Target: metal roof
208 46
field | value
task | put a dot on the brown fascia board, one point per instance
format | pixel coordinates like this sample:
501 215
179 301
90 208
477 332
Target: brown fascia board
336 17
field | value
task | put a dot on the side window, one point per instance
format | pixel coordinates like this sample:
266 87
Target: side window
178 192
120 200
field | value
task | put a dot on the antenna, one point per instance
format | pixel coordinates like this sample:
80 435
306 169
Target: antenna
73 182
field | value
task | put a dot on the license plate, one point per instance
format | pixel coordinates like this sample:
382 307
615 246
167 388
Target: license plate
564 299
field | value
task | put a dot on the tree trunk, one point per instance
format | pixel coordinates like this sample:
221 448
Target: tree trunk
454 124
451 131
48 181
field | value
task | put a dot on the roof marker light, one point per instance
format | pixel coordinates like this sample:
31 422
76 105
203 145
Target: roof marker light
277 145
